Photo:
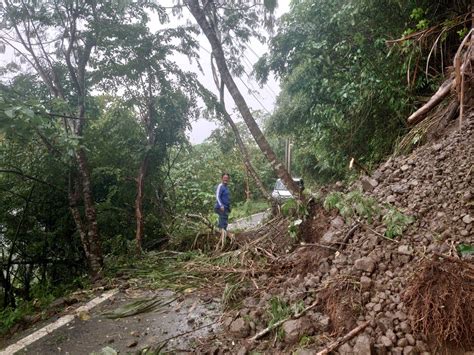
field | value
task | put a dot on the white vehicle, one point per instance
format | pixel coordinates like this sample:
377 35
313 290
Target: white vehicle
281 194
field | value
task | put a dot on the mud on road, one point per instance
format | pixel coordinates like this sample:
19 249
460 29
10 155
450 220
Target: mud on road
173 327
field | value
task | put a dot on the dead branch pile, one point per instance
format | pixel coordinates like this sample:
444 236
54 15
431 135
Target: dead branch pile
235 268
440 302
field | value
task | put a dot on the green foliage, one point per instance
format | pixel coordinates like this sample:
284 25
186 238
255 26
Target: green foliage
352 204
305 341
396 222
11 316
293 228
139 306
356 204
342 94
278 311
231 294
465 249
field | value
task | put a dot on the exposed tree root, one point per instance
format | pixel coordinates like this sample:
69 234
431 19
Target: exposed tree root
440 303
342 302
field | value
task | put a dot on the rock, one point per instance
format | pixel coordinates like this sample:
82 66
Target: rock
391 199
404 167
401 315
385 341
365 283
329 238
304 352
59 302
384 323
345 349
227 321
409 350
398 189
295 328
402 342
368 184
321 322
250 302
239 328
467 196
467 219
437 147
391 335
366 264
380 349
337 222
363 345
411 339
405 250
132 343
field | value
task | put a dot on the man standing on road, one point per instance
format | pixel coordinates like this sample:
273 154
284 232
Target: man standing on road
222 207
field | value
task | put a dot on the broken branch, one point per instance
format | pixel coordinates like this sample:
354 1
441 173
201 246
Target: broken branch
344 339
442 92
277 324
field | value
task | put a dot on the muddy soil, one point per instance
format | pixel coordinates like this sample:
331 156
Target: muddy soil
192 316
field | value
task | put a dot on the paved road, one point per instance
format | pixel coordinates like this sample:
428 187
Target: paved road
249 222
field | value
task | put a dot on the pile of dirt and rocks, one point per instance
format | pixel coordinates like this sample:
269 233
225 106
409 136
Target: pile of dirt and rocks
411 294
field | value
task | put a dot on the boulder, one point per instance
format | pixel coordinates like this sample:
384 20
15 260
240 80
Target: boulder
239 328
363 345
366 264
368 184
295 328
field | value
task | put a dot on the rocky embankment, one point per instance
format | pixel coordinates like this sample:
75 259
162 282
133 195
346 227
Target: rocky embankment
356 275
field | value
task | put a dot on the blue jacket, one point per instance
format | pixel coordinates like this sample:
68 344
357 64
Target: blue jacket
222 197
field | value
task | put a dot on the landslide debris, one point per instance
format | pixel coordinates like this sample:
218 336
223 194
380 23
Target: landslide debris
415 290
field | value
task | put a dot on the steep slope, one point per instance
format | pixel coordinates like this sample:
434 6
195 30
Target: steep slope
412 294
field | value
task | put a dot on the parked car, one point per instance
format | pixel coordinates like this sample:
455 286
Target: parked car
280 192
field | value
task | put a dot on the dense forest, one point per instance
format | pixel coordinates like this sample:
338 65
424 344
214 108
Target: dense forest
95 160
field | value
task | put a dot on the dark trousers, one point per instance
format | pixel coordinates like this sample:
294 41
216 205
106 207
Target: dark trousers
223 217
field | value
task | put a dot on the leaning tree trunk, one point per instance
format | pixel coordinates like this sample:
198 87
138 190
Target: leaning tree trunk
239 100
240 143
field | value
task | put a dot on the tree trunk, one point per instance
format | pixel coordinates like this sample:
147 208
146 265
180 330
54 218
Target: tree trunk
139 203
76 59
239 100
93 237
148 120
243 150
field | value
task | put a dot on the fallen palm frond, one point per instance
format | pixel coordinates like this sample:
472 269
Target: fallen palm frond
139 306
226 272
